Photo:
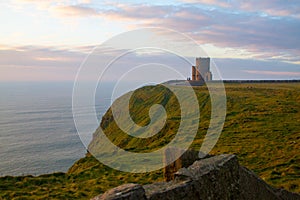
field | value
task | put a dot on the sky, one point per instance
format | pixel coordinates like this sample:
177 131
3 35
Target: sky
48 40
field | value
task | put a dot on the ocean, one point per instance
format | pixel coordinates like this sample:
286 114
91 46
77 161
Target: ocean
37 131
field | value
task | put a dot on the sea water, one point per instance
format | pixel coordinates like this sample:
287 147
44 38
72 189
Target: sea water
37 131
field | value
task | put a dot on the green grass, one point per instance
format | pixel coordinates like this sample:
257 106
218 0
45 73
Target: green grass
262 128
85 179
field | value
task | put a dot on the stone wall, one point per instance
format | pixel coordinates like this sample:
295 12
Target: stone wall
186 159
217 177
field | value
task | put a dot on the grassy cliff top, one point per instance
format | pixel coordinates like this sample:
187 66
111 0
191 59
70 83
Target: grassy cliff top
262 128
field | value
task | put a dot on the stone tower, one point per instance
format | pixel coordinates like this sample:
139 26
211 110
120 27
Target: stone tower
201 72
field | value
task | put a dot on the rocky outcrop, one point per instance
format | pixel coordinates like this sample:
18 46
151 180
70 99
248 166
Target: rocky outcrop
217 177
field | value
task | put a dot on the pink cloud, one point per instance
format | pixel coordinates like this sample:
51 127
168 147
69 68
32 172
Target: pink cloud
74 11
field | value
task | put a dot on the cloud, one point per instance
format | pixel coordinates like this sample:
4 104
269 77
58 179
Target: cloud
251 31
266 7
256 69
39 56
252 27
220 3
74 11
36 63
66 8
279 73
273 7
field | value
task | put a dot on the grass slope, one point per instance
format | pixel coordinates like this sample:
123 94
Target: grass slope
262 128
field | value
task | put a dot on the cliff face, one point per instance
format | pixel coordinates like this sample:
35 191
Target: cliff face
217 177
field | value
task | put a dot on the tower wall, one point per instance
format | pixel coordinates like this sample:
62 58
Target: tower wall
198 75
193 73
203 66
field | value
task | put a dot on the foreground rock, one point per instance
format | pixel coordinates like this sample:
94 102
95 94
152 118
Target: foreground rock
128 191
218 177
